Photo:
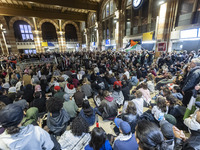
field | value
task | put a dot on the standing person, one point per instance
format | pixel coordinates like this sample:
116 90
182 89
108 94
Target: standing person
18 137
98 140
192 79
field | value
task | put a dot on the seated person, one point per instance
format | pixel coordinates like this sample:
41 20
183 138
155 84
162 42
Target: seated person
193 123
19 137
126 140
98 140
108 107
76 138
57 118
88 113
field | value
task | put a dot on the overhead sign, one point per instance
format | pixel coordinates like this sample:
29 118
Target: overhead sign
108 42
192 33
162 46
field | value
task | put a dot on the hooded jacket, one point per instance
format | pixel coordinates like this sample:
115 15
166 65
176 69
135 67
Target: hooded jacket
29 138
58 122
108 108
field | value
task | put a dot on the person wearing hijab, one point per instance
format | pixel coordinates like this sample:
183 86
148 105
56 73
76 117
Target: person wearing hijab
31 117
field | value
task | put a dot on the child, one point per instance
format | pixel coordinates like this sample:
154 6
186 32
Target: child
160 109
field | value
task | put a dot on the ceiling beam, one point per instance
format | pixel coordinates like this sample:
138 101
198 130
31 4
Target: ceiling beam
9 11
79 4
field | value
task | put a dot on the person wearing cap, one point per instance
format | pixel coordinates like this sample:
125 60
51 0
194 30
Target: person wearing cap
193 124
70 106
192 79
16 136
167 131
126 140
58 92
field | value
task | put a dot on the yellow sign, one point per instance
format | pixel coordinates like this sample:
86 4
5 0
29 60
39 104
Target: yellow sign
44 44
147 36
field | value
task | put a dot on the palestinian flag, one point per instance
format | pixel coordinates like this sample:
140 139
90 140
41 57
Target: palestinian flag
132 46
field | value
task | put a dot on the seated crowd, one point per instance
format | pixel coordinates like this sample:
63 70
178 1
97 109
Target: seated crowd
151 102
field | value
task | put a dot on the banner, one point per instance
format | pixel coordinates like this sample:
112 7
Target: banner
162 47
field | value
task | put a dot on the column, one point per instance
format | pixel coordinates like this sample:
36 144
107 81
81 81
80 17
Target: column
11 41
3 43
61 41
87 39
38 41
167 18
99 35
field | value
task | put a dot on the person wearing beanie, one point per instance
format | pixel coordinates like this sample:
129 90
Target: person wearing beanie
167 131
16 136
58 92
70 88
126 140
70 106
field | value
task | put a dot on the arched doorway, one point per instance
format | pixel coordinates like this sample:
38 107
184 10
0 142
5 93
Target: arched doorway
49 32
71 33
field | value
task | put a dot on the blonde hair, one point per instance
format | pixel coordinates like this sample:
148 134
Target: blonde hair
85 80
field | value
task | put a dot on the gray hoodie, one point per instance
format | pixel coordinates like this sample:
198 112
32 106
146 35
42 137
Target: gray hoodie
29 138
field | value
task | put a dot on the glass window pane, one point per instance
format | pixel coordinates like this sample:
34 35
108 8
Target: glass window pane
31 36
29 29
23 36
26 28
107 10
27 36
104 14
186 7
21 28
111 7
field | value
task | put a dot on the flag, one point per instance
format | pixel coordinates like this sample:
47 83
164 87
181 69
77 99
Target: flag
133 43
44 44
131 48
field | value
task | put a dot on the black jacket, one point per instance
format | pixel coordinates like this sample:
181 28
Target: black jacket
5 99
193 143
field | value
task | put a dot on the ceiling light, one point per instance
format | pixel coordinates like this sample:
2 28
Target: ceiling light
161 2
31 2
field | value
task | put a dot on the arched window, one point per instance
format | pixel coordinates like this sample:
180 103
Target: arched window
108 9
108 23
23 31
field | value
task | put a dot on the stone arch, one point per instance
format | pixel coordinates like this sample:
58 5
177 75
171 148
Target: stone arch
70 22
47 20
76 26
14 19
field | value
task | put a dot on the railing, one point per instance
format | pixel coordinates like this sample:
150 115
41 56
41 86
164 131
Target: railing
25 43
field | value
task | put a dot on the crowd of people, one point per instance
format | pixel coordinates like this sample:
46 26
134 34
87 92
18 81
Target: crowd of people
48 106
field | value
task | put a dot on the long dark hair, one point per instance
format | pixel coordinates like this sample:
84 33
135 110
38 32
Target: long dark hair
87 109
98 138
150 137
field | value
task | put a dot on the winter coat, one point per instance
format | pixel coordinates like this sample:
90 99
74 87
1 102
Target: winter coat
118 97
108 108
35 135
192 79
90 119
58 122
86 88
